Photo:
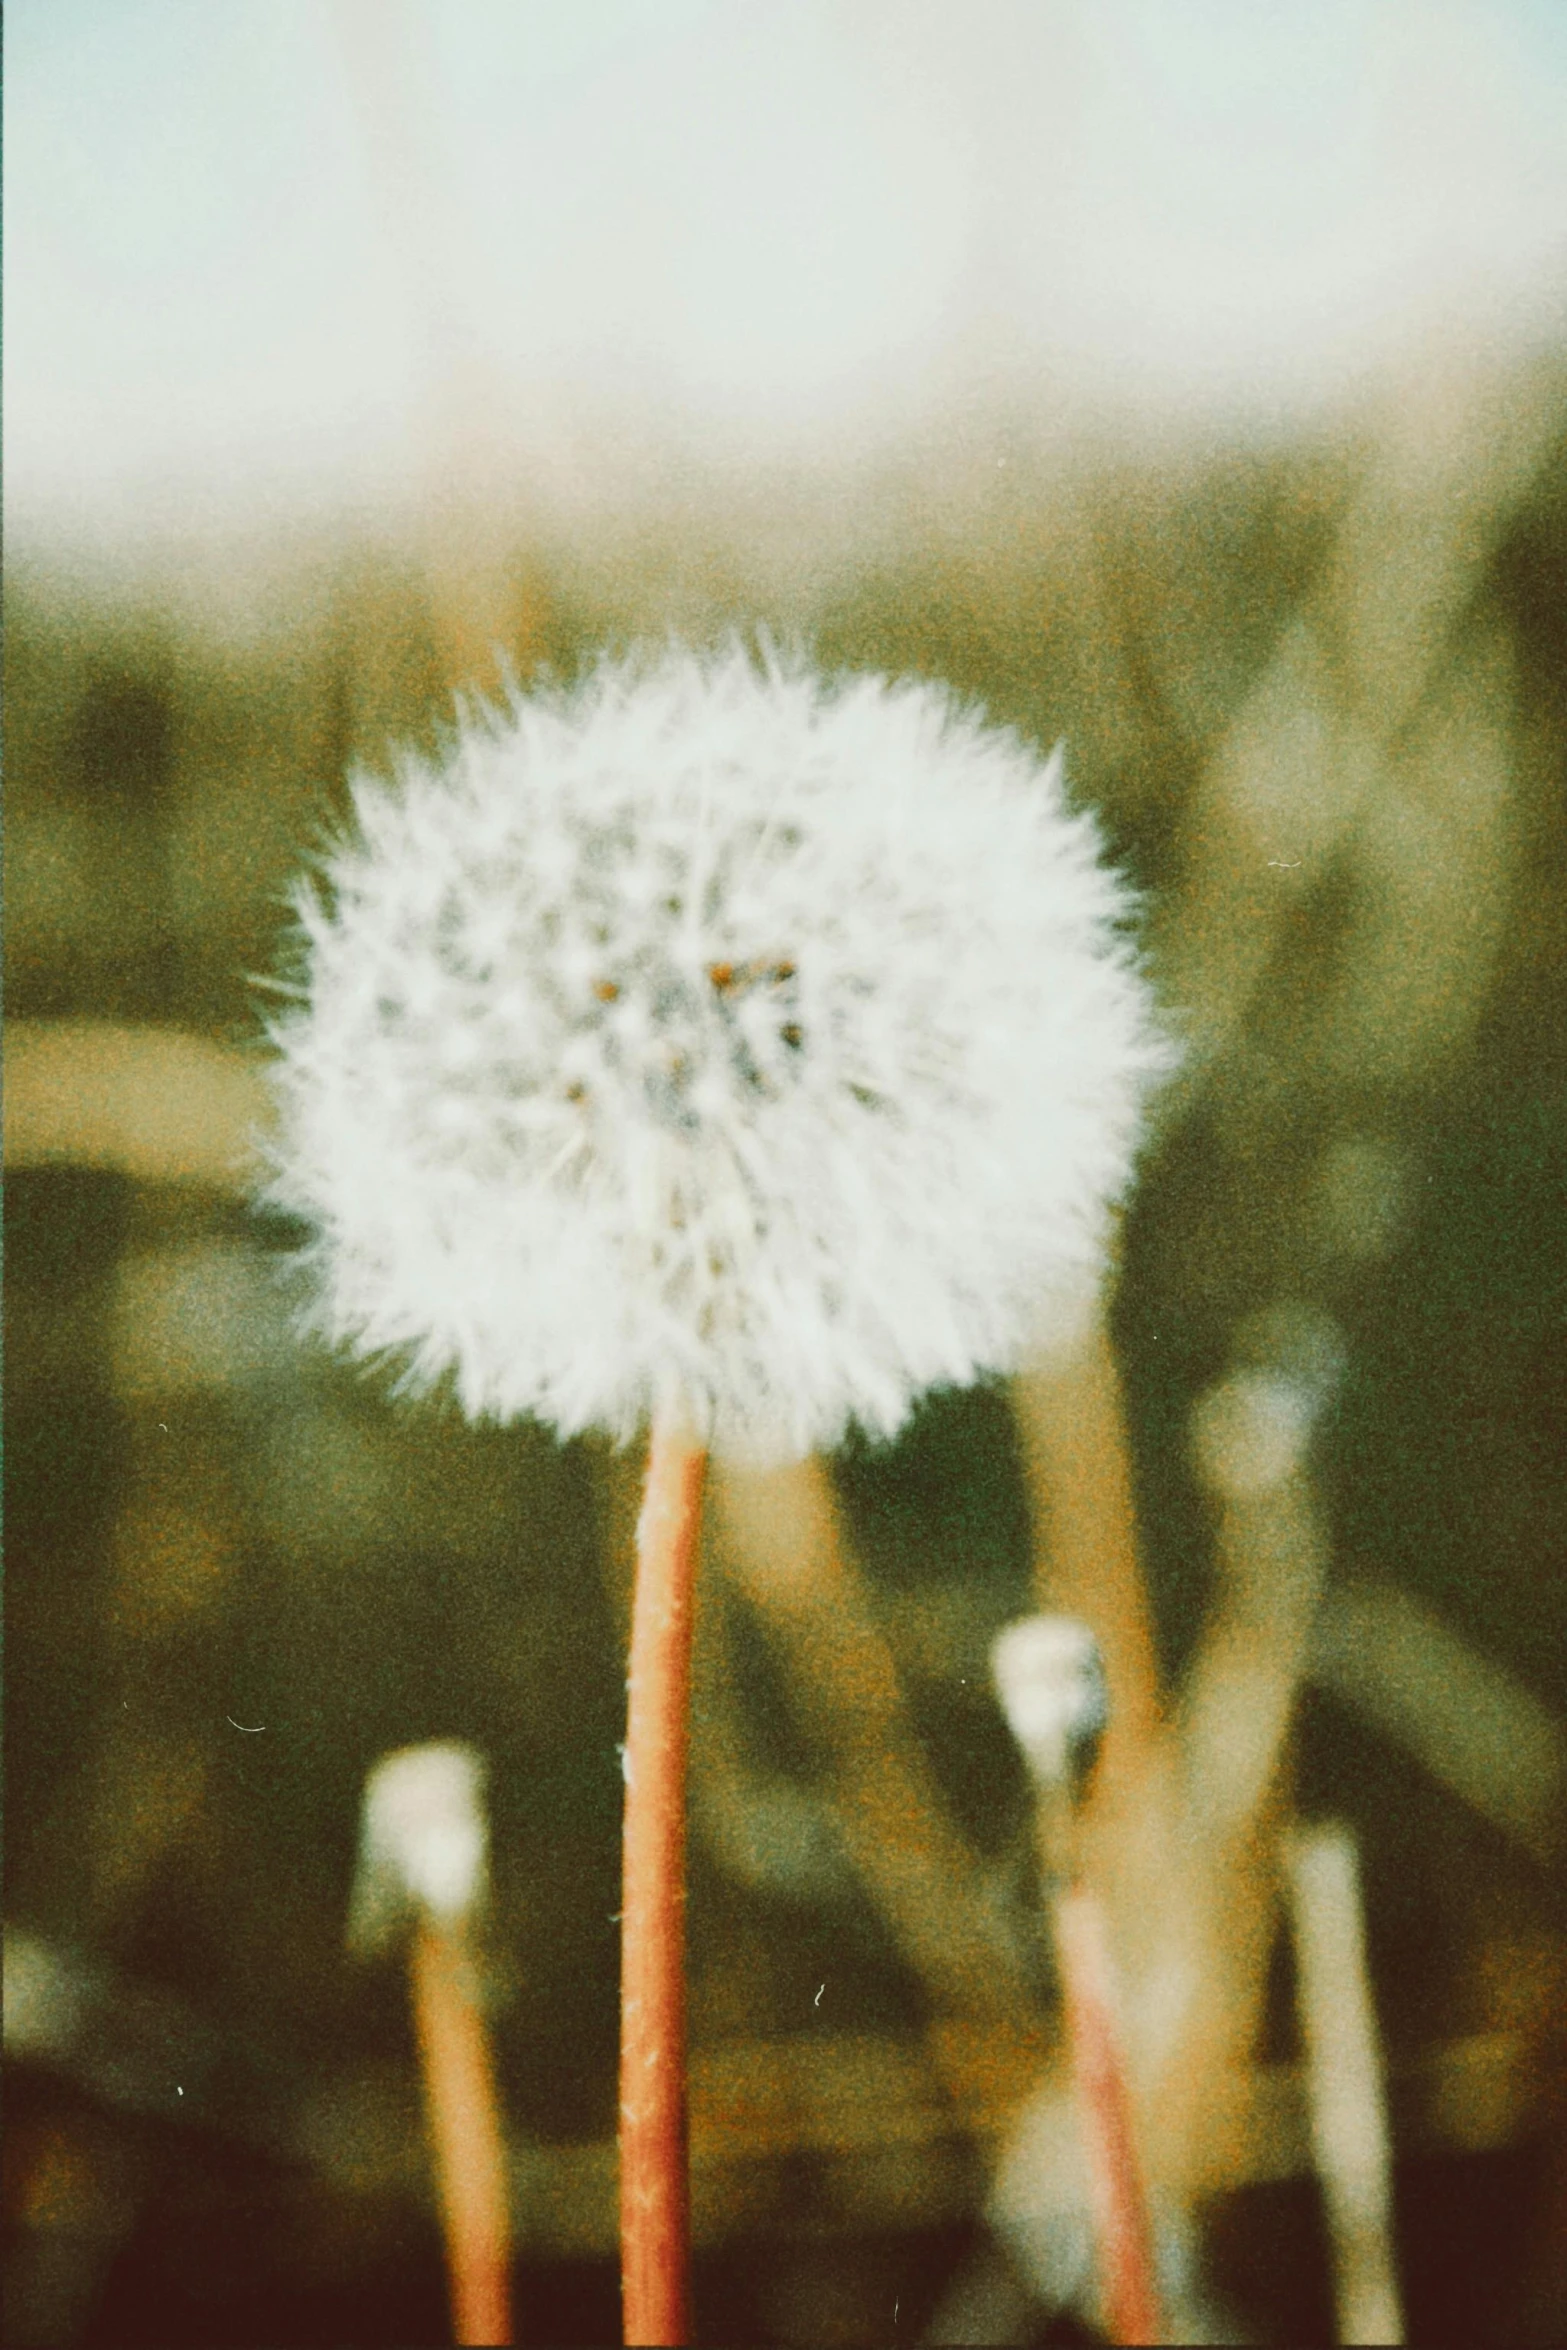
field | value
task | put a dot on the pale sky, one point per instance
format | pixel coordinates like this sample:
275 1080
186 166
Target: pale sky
245 238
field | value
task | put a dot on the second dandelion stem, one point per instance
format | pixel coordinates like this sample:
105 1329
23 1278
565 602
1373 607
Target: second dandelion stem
655 2209
465 2131
1128 2283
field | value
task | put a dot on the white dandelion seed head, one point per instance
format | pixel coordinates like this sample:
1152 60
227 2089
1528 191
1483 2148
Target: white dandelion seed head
711 1039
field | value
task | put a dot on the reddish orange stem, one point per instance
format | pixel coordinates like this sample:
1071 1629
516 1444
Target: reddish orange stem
465 2132
655 2195
1120 2206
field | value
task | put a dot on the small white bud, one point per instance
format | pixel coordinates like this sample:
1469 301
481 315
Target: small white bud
424 1842
1050 1678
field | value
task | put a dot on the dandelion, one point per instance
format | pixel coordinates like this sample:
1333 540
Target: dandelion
711 1048
422 1865
713 1042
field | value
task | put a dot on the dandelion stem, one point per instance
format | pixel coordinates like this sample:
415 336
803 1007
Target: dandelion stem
1127 2281
465 2133
655 2205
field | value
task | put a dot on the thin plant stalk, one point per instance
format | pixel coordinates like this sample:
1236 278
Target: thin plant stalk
1349 2121
655 2195
1050 1675
1077 1458
1128 2284
783 1540
465 2132
1234 1730
1078 1463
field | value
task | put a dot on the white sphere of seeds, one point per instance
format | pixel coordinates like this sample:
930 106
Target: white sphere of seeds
714 1040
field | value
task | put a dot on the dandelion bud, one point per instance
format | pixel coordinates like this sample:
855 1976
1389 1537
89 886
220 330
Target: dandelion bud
1050 1678
423 1842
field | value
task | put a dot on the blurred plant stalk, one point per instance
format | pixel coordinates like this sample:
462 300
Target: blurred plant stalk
464 2124
1050 1677
1078 1467
1313 760
1349 2126
1470 1724
783 1544
155 1103
480 616
1233 1733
